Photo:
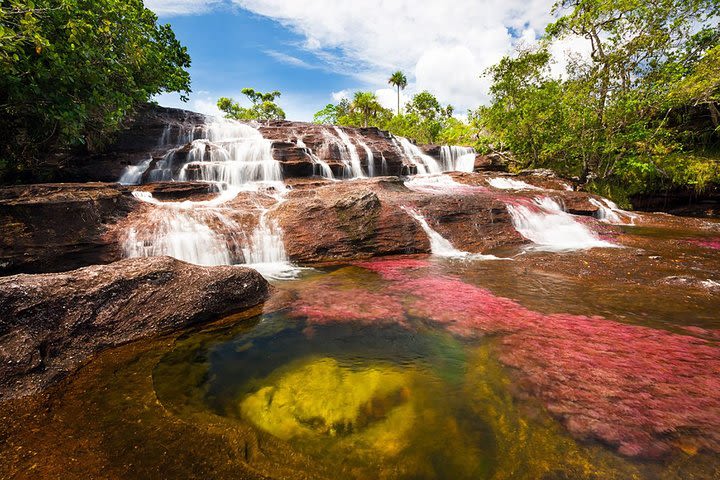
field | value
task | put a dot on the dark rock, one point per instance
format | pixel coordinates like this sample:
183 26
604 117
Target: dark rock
50 324
491 162
54 227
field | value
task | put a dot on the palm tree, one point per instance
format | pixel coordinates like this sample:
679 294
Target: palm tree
366 104
400 81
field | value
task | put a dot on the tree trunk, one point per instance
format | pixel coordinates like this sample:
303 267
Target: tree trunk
398 88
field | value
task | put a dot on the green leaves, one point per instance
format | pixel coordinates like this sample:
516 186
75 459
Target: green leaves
263 107
72 70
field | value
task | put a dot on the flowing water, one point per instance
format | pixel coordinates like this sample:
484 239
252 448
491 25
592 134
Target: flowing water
544 222
457 159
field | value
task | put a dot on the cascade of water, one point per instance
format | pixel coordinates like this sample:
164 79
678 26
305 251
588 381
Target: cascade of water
232 155
349 154
383 164
265 250
191 235
460 159
439 245
133 173
424 163
609 212
510 184
545 223
370 158
323 167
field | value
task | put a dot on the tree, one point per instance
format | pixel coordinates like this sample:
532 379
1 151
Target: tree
628 116
430 114
399 80
71 72
331 114
263 106
366 105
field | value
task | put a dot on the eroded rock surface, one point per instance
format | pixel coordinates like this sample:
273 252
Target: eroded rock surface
53 227
51 323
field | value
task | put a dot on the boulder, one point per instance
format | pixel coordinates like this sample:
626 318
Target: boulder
50 324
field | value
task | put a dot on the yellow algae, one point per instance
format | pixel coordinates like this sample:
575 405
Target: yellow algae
322 397
531 446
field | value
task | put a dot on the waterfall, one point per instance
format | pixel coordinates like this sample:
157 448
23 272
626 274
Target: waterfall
510 184
459 159
609 212
133 173
324 168
424 163
370 158
439 245
265 251
549 227
349 154
188 234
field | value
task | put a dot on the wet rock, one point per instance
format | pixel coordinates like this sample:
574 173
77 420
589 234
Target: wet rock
363 218
176 190
492 162
50 324
54 227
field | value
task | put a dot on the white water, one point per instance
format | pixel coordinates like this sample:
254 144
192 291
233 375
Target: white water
323 167
370 158
441 246
187 234
609 212
424 163
550 228
235 157
232 155
264 250
349 154
510 184
437 184
133 173
458 159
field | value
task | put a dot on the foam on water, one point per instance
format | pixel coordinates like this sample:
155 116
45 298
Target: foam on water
459 159
549 227
510 184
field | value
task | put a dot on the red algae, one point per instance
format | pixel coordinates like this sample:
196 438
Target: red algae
392 269
713 244
324 305
640 390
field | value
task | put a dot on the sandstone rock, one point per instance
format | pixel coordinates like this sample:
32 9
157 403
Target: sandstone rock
363 218
52 323
54 227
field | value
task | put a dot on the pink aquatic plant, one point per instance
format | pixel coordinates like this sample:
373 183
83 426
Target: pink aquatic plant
638 389
327 305
713 243
393 269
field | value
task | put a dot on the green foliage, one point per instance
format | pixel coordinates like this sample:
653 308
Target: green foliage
639 111
73 69
263 106
425 119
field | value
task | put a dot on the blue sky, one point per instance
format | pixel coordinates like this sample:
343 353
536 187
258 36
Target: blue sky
232 48
318 51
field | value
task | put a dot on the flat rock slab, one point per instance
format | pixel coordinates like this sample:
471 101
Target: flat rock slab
52 323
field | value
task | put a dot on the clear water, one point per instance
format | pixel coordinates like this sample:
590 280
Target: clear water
406 367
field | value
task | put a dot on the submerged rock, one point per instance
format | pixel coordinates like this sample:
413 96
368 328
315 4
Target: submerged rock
51 323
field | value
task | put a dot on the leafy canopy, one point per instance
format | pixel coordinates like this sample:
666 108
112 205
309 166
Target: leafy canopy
263 106
73 69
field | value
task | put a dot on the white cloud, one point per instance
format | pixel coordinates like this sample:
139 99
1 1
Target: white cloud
341 95
290 60
442 46
181 7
